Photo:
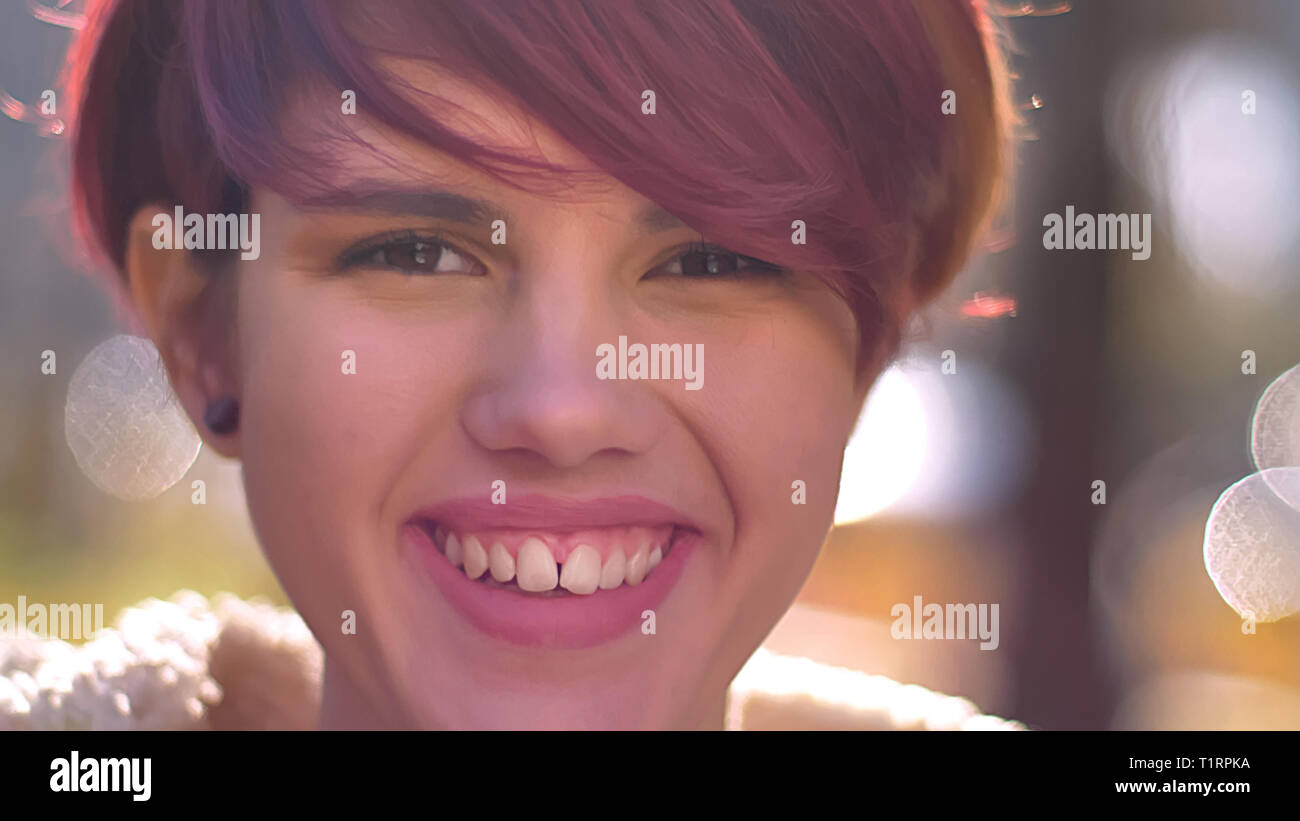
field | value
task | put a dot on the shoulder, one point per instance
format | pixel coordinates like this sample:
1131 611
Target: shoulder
190 663
779 692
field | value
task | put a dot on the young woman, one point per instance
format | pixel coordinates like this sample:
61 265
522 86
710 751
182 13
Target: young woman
549 321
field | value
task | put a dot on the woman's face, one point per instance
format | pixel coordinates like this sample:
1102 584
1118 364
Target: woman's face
406 406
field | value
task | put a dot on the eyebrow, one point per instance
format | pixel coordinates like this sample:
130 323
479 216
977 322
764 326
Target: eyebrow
382 198
655 219
420 202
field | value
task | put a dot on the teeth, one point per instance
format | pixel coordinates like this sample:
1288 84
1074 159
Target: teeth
501 563
536 570
536 567
453 550
581 570
615 570
638 565
476 558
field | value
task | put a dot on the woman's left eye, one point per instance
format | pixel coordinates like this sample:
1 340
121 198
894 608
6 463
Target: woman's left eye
412 255
707 261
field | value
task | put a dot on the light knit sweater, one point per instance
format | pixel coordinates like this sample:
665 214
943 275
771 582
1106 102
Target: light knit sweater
231 664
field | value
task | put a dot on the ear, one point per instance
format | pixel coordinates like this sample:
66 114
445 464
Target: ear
188 309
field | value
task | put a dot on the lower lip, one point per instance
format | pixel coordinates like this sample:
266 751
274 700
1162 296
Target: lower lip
569 622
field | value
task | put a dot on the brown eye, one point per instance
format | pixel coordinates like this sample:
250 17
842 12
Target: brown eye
705 263
714 261
414 256
421 257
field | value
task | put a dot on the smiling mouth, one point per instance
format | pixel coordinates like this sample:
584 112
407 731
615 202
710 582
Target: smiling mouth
556 563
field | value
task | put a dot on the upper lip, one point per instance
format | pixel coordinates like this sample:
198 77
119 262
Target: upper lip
540 512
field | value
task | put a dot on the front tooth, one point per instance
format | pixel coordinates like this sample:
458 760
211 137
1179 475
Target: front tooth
638 565
476 558
656 556
536 566
454 553
615 569
581 570
501 563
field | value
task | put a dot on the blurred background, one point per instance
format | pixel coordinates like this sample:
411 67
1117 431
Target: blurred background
1072 367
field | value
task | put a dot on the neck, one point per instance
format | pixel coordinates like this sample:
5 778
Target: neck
343 707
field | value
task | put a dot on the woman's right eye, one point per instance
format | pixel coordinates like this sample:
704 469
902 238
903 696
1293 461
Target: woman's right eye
413 256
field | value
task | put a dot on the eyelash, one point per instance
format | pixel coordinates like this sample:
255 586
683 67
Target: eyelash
365 255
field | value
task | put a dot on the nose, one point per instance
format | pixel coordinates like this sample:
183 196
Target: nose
540 394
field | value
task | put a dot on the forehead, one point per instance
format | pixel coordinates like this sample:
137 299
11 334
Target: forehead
377 153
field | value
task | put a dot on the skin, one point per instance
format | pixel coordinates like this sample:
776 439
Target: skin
462 379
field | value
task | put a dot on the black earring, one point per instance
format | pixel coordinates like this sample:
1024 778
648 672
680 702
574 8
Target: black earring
222 416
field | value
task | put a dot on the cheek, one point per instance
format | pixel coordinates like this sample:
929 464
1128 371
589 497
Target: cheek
783 405
336 399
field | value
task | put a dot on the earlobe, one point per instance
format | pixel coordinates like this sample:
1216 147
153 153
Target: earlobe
222 416
186 310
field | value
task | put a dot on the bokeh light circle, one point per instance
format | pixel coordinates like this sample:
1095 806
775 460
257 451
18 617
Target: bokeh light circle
1252 544
123 424
1275 432
1223 177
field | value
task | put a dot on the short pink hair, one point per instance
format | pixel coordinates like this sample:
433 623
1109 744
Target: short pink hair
767 112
